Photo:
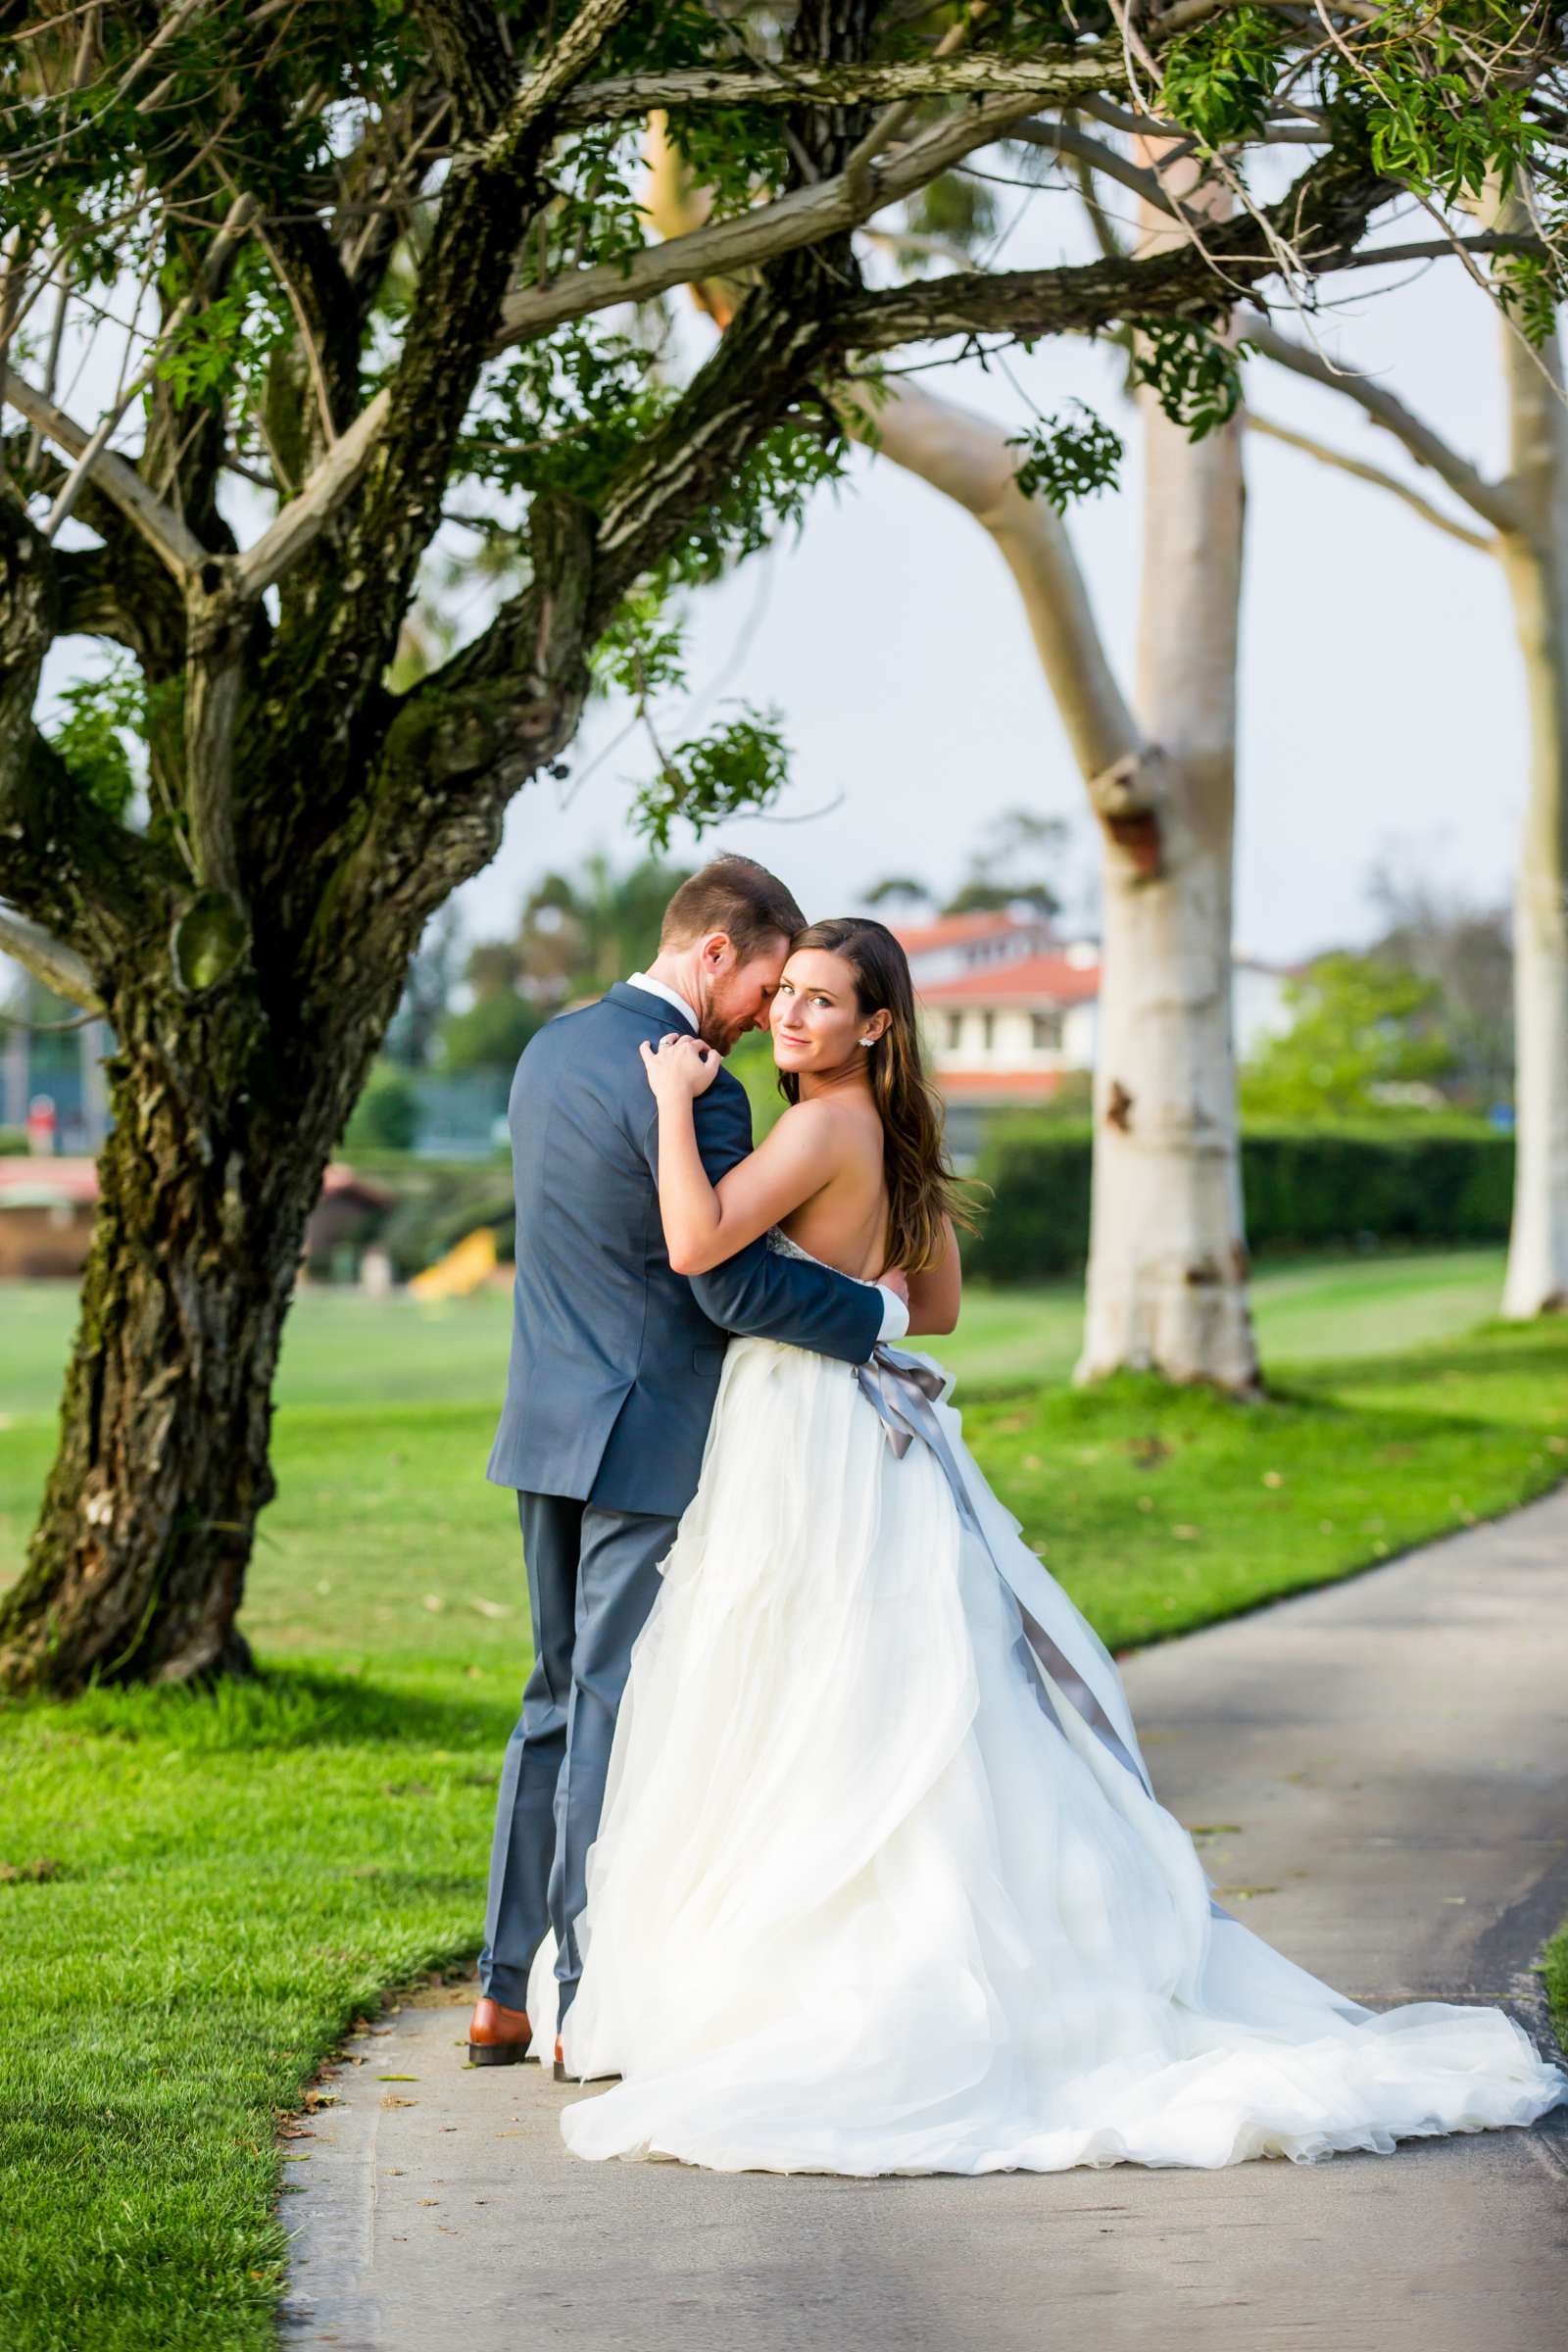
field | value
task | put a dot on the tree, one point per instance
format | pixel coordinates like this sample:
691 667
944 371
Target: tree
1168 1270
489 1034
1364 1030
386 1116
1167 1284
581 932
366 258
1466 950
900 890
1006 870
1523 521
1167 1277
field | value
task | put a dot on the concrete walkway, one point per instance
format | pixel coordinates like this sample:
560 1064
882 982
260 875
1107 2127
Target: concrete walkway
1380 1770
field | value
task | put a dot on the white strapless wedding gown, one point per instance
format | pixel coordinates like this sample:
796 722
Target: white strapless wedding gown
869 1896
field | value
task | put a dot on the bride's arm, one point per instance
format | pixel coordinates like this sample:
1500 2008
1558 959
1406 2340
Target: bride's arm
936 1291
702 1224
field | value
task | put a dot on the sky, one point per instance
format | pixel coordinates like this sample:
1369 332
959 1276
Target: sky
1381 699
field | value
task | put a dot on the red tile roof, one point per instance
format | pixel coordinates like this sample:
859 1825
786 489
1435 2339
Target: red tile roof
57 1176
957 930
1033 1086
31 1177
1047 979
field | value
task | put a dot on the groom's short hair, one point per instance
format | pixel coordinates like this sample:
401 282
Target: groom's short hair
737 895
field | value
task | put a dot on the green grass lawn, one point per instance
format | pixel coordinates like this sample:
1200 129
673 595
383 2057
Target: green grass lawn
341 1348
201 1892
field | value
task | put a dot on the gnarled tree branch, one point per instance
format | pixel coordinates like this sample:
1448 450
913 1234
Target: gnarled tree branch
158 523
1049 74
803 216
1323 216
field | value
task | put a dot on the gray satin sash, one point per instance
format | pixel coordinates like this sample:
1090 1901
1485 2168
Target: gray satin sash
903 1392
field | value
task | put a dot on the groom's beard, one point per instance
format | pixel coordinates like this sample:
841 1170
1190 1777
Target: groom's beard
711 1025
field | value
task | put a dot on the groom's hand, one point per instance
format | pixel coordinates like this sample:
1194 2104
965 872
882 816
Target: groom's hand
897 1281
680 1069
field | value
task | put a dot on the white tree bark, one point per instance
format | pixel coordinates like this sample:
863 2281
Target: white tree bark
1529 514
1535 562
1168 1268
1167 1283
1168 1262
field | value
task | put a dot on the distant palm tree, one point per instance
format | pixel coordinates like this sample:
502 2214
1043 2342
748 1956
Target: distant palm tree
579 932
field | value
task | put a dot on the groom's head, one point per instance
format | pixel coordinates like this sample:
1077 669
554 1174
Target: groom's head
723 942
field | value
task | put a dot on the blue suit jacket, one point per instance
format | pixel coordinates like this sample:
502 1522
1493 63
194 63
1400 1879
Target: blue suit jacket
615 1357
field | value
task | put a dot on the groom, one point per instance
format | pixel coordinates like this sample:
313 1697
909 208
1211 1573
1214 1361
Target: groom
614 1367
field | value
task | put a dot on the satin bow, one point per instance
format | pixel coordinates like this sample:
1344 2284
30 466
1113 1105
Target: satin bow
903 1392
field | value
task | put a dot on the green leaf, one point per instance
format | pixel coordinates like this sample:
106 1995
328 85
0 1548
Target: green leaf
1219 79
99 712
1067 458
741 765
1193 372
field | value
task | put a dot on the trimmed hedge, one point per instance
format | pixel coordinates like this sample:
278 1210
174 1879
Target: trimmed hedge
1312 1187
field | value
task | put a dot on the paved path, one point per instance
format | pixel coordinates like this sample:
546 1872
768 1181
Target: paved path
1389 1759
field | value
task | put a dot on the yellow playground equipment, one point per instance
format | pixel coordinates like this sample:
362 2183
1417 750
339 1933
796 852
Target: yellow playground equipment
466 1268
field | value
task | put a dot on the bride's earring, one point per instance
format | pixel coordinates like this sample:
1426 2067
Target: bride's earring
869 1040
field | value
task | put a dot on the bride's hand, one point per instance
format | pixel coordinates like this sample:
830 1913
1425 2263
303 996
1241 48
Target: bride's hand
680 1069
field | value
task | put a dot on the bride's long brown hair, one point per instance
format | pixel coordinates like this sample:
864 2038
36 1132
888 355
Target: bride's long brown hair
922 1189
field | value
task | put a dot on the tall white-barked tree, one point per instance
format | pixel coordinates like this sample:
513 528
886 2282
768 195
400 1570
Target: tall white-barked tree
1524 520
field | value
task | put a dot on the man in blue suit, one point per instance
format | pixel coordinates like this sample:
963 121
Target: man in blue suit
615 1362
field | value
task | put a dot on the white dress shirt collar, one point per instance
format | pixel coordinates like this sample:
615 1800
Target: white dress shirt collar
671 996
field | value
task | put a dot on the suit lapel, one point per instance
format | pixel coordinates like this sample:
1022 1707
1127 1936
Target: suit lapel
655 1011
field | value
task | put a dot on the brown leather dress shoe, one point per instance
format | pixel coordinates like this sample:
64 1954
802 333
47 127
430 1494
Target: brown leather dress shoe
497 2036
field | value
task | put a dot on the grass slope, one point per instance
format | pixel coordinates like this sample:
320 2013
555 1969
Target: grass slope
223 1884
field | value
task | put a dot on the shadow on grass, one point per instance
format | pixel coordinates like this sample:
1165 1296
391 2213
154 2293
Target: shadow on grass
290 1709
1328 1392
1484 1353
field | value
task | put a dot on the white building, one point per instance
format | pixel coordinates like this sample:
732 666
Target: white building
1009 1009
1011 1033
955 945
58 1066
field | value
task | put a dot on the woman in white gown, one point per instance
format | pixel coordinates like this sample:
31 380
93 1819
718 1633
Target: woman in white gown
880 1883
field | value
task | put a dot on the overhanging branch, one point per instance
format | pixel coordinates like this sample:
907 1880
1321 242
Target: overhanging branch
1494 501
1323 217
296 527
804 217
49 960
157 521
1057 75
1342 462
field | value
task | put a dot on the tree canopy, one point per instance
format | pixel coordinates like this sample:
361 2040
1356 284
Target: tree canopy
296 299
372 267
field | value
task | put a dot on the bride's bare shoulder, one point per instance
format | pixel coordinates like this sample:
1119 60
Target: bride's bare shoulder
805 1126
823 1120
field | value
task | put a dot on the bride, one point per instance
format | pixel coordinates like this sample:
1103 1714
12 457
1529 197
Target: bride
881 1885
